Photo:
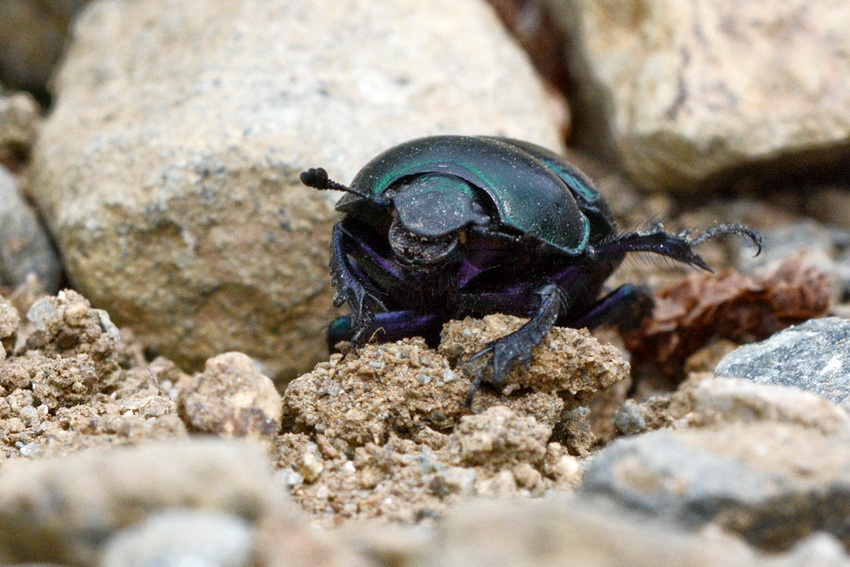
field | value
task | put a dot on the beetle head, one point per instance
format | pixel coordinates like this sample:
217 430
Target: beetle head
421 251
431 214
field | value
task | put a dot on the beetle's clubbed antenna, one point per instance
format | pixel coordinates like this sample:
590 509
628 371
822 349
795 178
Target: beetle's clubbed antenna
317 178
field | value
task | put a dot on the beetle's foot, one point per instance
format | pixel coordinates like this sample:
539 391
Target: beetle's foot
734 229
364 321
363 305
516 347
342 335
503 354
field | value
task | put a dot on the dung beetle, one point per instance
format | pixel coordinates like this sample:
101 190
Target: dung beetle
444 227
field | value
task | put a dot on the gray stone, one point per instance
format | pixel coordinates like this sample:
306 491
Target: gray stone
773 483
168 170
688 90
25 246
630 418
181 538
65 509
813 356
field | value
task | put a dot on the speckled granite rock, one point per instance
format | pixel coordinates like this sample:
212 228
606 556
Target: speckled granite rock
169 169
772 483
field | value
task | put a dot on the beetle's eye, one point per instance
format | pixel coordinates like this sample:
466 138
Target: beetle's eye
417 250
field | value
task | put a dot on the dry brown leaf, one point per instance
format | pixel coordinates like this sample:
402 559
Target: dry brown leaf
730 305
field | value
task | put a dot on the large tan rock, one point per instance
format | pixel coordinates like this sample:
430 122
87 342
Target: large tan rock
687 90
168 171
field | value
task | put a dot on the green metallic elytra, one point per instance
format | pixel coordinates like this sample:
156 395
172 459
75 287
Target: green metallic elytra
529 195
575 180
594 205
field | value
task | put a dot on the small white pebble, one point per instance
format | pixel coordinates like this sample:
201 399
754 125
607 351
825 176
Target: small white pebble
30 449
29 414
310 466
290 478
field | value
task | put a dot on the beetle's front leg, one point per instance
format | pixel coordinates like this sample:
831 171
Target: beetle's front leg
349 289
677 246
517 345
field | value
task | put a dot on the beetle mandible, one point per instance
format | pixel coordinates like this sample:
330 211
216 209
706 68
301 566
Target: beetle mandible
444 227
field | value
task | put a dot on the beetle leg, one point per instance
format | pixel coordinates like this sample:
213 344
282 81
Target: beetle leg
390 326
370 266
676 246
624 307
349 289
516 347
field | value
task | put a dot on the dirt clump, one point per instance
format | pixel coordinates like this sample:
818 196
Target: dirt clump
385 432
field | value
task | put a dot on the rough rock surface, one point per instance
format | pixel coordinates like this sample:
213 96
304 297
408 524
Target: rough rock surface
713 402
772 483
577 532
384 434
689 90
169 167
69 381
705 401
813 356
